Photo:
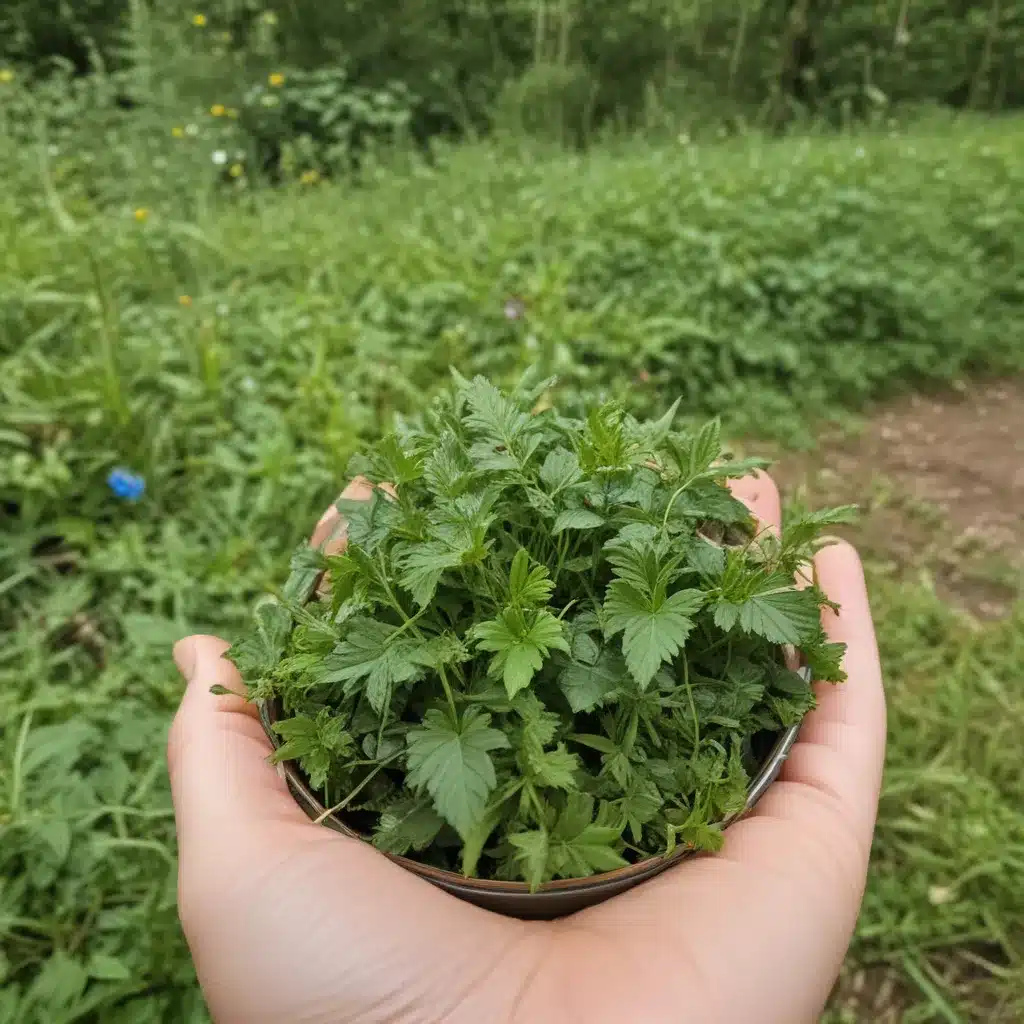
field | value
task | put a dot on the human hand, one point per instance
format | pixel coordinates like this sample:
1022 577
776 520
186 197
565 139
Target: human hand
291 922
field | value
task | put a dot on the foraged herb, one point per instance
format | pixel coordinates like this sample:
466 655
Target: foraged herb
552 651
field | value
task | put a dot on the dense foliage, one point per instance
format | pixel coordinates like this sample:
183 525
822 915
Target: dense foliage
464 66
558 632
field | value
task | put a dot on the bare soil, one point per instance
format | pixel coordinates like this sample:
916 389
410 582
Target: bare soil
940 483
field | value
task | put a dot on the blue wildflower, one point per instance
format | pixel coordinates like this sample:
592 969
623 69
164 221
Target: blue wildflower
128 486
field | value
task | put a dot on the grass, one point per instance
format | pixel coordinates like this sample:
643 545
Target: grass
233 345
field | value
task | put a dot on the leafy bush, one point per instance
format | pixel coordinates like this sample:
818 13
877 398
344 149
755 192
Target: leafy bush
321 120
559 630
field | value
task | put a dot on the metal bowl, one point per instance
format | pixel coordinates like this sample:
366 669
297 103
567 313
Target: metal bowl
553 899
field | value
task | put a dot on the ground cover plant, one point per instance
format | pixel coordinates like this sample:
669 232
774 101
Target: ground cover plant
233 348
550 652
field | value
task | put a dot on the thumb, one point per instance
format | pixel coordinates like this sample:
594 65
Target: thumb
221 781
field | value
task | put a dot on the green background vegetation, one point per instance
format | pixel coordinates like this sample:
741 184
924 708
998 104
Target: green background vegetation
230 300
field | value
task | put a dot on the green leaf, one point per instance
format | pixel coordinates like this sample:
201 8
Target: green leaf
804 526
577 519
314 742
257 654
521 641
493 414
532 856
555 769
104 967
781 616
369 653
369 522
452 762
575 848
561 469
528 587
306 566
422 567
589 686
653 631
408 824
705 448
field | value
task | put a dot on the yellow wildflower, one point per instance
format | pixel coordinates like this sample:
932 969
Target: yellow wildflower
142 214
276 79
6 76
310 177
199 20
185 300
237 170
178 132
218 110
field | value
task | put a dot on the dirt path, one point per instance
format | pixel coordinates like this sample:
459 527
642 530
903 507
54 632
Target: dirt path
940 483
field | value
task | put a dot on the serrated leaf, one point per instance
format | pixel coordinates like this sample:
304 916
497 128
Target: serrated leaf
652 632
803 527
369 522
407 825
452 762
575 848
369 653
576 519
258 653
781 616
561 469
520 642
589 686
528 587
315 742
422 567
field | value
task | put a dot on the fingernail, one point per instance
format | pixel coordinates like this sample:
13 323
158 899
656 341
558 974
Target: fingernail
185 657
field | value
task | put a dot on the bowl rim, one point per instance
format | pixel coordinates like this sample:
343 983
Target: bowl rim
269 713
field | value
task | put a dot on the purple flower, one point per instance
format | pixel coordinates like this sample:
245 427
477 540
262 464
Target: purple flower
514 309
128 486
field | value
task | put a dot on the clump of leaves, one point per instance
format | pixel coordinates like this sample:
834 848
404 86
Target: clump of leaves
554 649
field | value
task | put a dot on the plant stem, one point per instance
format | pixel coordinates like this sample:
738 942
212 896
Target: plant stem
355 792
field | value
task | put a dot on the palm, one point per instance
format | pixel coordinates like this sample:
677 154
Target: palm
291 922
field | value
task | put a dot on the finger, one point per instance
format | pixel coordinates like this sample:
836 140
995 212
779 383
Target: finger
834 771
760 494
217 751
841 747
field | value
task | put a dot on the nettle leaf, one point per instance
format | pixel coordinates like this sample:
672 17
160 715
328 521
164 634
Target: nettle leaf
372 653
528 587
422 567
575 848
589 686
654 629
258 653
555 769
452 762
369 522
521 641
561 469
577 519
800 529
408 824
315 742
783 616
307 565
